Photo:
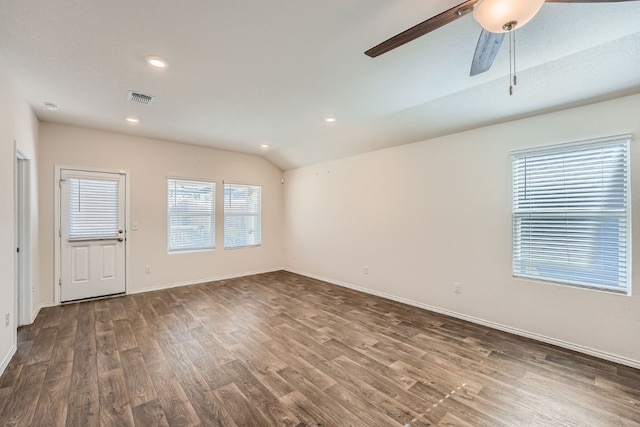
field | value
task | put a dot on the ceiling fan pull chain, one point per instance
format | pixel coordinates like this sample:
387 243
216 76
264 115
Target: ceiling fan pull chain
510 64
515 78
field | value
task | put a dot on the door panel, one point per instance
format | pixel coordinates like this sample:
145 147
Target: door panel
80 262
109 261
92 234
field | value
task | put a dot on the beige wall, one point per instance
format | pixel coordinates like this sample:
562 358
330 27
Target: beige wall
18 130
27 146
149 163
426 215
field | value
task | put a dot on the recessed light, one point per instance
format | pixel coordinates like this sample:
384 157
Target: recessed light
264 146
51 106
157 62
132 120
330 119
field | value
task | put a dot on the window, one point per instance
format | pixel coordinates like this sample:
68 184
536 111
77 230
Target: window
571 219
242 215
190 215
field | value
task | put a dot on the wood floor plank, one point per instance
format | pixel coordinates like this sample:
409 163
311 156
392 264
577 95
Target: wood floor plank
85 341
124 334
450 420
264 366
369 414
104 321
319 378
84 401
115 409
11 374
61 361
148 346
177 331
239 408
372 396
150 414
20 406
28 333
171 396
22 352
338 413
107 351
308 411
138 383
260 396
207 406
208 368
4 397
83 407
52 403
152 318
134 315
116 308
217 352
53 317
69 320
283 349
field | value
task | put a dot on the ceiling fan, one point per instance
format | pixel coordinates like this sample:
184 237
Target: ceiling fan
496 17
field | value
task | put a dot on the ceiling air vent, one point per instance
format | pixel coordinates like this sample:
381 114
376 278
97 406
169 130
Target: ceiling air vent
140 97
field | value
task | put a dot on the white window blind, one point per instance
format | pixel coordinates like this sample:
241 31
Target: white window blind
242 215
93 208
571 221
190 215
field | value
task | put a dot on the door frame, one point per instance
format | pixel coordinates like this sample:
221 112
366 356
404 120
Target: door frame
57 226
24 289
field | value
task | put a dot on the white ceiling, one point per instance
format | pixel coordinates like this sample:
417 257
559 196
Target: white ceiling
247 72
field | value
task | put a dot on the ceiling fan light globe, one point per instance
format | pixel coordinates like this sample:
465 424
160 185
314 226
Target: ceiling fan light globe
492 15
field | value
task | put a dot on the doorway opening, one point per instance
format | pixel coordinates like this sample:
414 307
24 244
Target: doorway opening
24 291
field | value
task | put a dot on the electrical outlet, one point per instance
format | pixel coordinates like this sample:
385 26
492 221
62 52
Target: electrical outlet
365 270
457 288
147 269
6 320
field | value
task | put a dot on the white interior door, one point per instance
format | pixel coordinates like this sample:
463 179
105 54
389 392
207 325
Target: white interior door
92 234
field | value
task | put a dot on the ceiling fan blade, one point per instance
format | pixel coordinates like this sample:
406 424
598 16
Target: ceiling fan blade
422 28
486 50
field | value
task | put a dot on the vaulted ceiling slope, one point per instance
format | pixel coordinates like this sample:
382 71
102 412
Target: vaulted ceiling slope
245 73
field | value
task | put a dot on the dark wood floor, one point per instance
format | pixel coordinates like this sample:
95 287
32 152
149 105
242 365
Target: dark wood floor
281 349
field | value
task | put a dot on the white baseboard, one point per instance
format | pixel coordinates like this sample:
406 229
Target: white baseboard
549 340
7 358
198 281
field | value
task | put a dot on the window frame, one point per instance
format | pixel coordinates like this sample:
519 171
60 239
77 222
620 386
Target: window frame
212 216
241 214
520 269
